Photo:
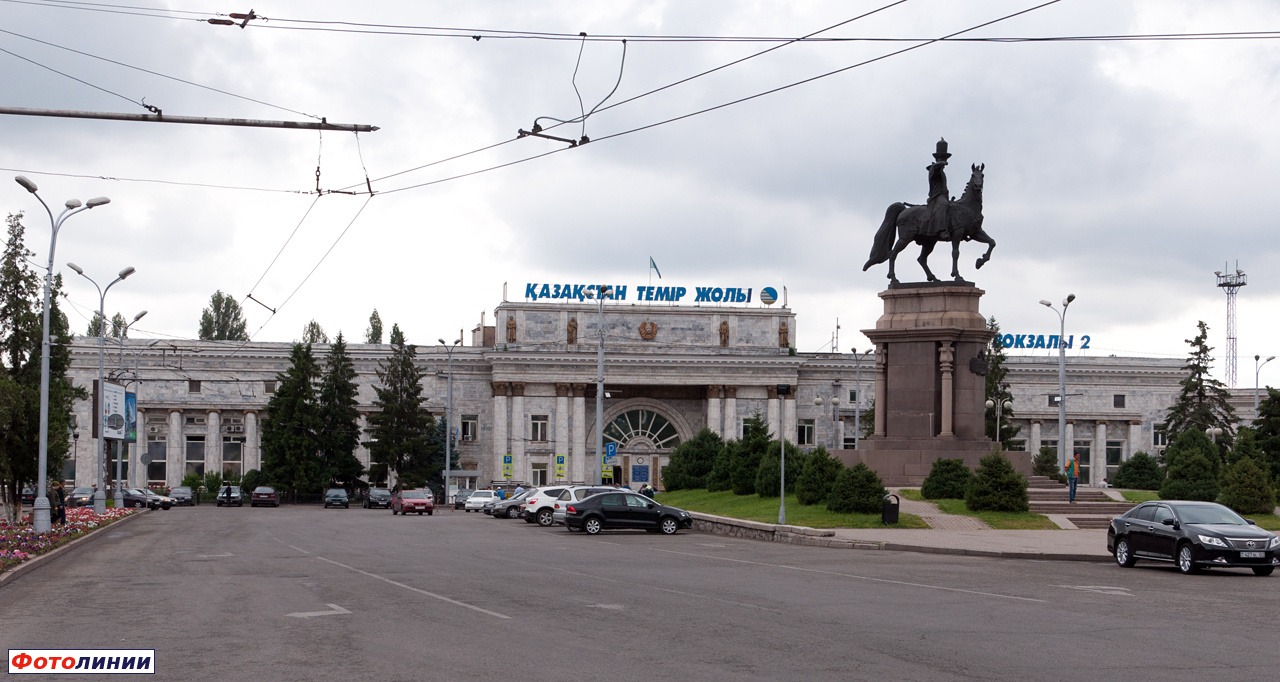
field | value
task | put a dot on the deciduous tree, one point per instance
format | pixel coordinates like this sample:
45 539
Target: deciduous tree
223 320
374 333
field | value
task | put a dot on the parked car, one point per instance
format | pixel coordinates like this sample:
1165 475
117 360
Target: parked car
624 510
80 497
264 494
29 494
407 501
577 492
236 498
378 498
336 497
539 505
460 498
1192 536
477 499
133 497
506 509
182 495
155 500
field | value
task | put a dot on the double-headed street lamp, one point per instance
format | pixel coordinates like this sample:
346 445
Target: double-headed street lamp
40 511
448 417
1257 369
857 394
1062 377
1000 408
100 499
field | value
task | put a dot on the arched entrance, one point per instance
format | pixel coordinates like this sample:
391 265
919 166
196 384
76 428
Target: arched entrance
645 431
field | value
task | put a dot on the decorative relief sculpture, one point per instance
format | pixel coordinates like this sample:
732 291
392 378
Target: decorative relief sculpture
572 331
511 328
648 330
783 336
724 334
941 219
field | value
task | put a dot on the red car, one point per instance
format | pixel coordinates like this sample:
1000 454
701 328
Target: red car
264 495
406 501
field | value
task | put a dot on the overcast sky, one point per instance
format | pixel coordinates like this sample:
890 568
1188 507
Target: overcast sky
1123 172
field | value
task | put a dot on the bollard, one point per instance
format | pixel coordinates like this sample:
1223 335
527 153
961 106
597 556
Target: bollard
889 510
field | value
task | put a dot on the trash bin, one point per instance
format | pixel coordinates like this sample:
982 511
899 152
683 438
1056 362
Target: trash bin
889 510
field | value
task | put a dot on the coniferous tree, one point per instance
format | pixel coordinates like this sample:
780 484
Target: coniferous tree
998 389
1267 428
718 478
997 486
118 324
314 333
339 429
290 433
1046 464
223 320
1246 487
948 479
1202 402
856 489
399 432
769 473
692 461
817 477
374 333
745 458
1139 472
21 335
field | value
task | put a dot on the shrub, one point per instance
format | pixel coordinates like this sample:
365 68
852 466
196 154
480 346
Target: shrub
212 481
1140 472
193 481
744 460
718 477
1191 442
813 485
997 486
769 475
1246 488
251 479
1190 477
1046 464
856 489
948 479
692 461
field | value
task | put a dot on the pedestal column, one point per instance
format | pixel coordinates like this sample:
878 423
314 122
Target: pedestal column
253 444
731 427
1033 443
772 411
1099 456
1135 437
577 464
213 442
882 393
362 450
175 455
789 417
947 363
713 410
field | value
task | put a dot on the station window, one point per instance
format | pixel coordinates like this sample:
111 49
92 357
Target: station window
539 475
156 470
193 386
1117 401
538 428
1160 436
804 432
1115 452
268 387
195 455
232 456
470 427
853 396
1016 446
1051 444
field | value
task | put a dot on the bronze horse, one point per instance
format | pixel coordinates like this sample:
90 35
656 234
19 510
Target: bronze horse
908 222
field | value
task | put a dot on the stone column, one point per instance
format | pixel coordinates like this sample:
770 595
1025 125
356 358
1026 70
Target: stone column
713 410
562 429
175 462
213 442
1033 443
882 352
578 453
253 443
1099 456
501 441
1067 441
839 444
362 450
519 433
136 478
1135 437
789 418
731 427
773 411
947 363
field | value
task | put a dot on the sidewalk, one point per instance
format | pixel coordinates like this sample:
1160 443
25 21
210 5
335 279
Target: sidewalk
1049 545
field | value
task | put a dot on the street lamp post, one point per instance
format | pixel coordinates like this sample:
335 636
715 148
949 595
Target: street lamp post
835 416
40 510
1000 408
1257 369
1062 376
100 498
857 394
600 293
448 418
124 445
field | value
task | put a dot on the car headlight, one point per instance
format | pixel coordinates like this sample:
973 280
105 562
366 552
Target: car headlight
1210 540
1275 542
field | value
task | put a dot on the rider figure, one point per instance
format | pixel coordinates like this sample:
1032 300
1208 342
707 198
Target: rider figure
939 198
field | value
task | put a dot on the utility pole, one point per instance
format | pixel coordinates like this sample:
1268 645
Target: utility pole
601 292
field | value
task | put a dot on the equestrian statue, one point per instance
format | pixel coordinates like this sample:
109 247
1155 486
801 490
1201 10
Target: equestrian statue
940 219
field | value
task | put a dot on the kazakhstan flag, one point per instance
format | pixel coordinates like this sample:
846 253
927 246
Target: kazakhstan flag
655 267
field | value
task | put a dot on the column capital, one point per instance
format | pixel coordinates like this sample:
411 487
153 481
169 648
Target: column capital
1102 422
771 392
1135 422
730 392
517 389
713 392
175 409
500 388
579 390
1036 421
562 390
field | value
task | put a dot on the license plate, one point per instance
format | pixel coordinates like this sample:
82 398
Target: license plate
1253 555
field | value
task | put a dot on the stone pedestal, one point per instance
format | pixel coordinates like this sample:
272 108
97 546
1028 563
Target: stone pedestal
929 401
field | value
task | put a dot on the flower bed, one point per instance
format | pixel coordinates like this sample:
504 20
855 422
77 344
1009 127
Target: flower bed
21 542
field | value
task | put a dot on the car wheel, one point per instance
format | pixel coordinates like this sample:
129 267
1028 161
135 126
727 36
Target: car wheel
419 513
513 513
430 513
1263 570
592 526
1124 553
545 518
393 511
669 526
1186 559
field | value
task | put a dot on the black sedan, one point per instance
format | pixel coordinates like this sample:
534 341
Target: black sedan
182 496
81 497
460 498
336 497
136 498
624 510
1192 536
378 498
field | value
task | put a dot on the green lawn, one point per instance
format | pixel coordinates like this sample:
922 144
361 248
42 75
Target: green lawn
1140 495
912 494
998 520
1265 521
765 509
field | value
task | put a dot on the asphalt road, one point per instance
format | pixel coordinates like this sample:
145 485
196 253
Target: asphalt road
456 596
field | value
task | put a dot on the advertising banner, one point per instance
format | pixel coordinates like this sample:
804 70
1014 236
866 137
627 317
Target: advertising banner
131 417
111 411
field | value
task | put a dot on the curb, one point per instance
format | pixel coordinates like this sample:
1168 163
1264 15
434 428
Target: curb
8 575
821 537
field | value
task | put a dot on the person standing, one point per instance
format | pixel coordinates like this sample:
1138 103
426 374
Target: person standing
519 489
1073 477
57 503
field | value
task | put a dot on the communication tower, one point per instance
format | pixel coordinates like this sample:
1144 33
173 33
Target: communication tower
1231 283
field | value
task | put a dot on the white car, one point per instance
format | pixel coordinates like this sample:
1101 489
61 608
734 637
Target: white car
575 493
539 505
477 500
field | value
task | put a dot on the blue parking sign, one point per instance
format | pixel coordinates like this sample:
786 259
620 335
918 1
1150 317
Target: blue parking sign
610 453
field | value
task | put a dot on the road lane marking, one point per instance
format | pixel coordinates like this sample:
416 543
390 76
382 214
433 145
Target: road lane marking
433 595
651 587
855 577
299 549
213 556
1100 589
336 611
